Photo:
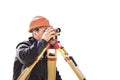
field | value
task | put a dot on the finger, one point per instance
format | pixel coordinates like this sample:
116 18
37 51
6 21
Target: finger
52 36
50 30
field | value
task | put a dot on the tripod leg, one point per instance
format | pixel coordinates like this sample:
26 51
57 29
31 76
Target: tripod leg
72 63
51 62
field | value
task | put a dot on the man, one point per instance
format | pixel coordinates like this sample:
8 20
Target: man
28 51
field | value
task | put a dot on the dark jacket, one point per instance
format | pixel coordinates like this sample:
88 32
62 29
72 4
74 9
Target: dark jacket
27 53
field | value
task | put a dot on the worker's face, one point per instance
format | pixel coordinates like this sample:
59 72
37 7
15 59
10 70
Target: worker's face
38 34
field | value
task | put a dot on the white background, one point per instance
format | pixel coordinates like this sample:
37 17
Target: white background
90 33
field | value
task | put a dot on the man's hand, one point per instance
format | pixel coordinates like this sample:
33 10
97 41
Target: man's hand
48 34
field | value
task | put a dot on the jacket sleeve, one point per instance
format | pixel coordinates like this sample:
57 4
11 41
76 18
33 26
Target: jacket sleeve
58 76
27 53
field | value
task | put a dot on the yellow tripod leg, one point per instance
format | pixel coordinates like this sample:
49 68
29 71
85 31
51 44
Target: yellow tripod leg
27 71
72 64
51 64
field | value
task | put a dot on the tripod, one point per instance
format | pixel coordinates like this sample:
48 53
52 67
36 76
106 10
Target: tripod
52 47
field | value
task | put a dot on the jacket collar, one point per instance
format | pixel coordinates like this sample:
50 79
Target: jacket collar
32 39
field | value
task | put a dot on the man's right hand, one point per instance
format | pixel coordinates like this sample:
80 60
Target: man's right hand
48 34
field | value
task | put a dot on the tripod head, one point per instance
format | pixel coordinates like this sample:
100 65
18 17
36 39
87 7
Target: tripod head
54 44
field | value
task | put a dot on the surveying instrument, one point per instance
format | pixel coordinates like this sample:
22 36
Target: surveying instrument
52 47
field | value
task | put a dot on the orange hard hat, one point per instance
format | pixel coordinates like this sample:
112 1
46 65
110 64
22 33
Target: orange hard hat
38 21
